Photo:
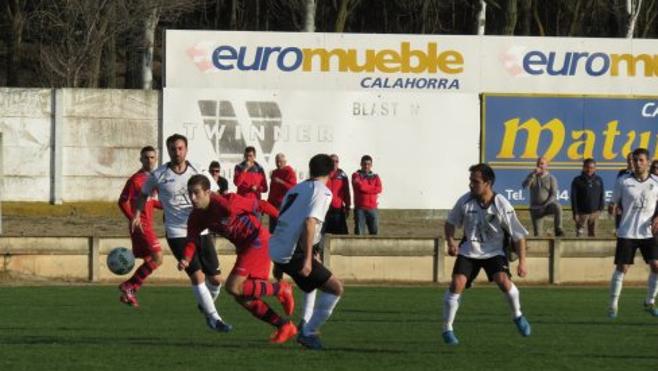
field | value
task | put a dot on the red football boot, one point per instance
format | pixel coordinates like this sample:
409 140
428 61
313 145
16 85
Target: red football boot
128 295
286 298
284 333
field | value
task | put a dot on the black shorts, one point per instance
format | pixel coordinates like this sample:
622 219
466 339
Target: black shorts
626 248
205 258
470 267
318 276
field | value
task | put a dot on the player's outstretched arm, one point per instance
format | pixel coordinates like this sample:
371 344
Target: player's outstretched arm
522 269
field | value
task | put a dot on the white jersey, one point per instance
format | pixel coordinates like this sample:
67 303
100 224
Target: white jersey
484 228
173 195
638 202
308 199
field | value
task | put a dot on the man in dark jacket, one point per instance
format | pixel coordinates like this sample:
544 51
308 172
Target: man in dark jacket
587 198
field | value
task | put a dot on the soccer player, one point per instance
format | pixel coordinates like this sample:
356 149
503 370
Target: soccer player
145 244
234 217
291 246
488 219
637 194
170 179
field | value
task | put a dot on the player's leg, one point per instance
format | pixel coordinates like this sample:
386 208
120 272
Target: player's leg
624 255
497 269
146 247
649 251
197 278
208 256
463 272
308 303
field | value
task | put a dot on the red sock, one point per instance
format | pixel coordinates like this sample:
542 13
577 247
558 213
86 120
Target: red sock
259 288
262 311
141 273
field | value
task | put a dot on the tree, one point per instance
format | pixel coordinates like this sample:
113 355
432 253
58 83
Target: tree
17 16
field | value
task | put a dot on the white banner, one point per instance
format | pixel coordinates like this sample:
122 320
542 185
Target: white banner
421 146
410 63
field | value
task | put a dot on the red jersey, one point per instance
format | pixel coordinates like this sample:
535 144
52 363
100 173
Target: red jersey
278 190
366 188
231 216
339 185
245 179
128 200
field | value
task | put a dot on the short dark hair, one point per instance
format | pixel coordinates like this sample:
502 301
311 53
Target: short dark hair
214 164
199 179
485 170
640 151
250 149
173 138
146 149
366 158
589 161
320 165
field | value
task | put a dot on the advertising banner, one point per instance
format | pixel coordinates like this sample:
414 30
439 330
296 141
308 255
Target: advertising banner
421 146
518 129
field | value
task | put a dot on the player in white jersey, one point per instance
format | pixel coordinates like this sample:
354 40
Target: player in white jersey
170 179
488 220
298 229
636 194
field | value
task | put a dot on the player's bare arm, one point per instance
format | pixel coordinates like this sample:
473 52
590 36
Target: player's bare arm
307 237
522 269
183 264
136 223
453 246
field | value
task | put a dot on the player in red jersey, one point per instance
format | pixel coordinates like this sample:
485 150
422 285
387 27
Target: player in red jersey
233 217
145 243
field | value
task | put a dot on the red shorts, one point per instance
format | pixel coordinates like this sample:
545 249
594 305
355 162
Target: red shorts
253 261
144 244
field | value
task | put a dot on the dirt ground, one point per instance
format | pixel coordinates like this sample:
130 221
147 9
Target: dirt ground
105 219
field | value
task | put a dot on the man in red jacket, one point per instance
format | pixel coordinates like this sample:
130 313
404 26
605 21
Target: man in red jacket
281 180
249 176
366 186
145 243
339 184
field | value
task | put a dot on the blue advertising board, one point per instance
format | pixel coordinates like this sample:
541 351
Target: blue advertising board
518 129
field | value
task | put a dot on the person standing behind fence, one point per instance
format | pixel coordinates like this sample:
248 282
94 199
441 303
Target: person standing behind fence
249 176
214 169
587 198
336 221
281 180
543 198
638 194
367 186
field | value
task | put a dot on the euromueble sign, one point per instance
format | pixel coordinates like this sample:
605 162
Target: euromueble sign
517 129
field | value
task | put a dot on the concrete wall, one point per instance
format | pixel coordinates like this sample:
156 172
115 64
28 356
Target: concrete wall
25 123
73 144
353 259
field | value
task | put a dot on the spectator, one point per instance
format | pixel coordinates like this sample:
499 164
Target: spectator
543 198
249 176
629 166
587 198
366 186
339 211
281 180
215 170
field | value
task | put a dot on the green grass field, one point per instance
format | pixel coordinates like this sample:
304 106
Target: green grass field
373 328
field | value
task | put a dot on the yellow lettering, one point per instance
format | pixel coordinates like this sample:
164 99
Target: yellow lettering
533 130
629 145
587 144
609 141
450 58
407 54
388 61
631 61
325 57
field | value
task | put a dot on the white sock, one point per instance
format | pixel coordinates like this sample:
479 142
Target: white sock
321 312
214 290
309 304
450 306
204 299
652 288
512 297
616 283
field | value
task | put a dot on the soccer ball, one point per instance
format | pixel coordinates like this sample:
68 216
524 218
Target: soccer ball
120 260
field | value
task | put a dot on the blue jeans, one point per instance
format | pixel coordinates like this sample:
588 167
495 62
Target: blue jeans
363 218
